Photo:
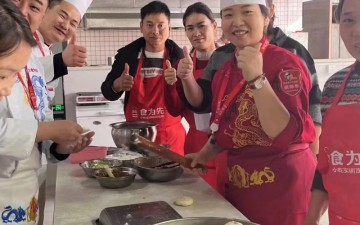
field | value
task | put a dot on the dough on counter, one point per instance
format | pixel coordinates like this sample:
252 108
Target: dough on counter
233 223
184 201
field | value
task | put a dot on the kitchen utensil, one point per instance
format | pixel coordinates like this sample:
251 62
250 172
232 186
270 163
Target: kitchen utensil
147 213
148 168
91 166
121 132
88 153
203 221
165 152
123 177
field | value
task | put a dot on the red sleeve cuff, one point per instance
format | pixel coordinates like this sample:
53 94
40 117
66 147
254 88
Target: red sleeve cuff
289 134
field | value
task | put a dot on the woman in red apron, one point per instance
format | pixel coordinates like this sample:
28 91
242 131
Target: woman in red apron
138 71
259 104
337 177
200 28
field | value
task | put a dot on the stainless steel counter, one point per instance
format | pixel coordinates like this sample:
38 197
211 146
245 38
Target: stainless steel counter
79 199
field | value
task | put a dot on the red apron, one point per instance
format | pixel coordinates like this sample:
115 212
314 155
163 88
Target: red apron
146 103
269 185
195 140
271 188
339 160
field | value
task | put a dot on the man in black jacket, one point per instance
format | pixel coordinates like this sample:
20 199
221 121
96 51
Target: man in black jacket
279 38
138 71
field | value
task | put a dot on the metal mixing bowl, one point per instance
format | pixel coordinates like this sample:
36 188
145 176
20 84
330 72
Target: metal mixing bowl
124 176
146 167
121 132
91 166
203 221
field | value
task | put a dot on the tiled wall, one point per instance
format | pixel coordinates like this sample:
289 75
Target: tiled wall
104 43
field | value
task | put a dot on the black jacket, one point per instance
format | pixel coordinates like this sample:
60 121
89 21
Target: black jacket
129 54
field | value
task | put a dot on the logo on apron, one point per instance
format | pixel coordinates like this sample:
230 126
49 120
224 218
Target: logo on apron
10 215
32 210
290 82
242 179
13 215
347 163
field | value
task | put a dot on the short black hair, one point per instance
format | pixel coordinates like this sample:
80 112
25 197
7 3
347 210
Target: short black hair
339 10
53 3
155 7
14 28
199 8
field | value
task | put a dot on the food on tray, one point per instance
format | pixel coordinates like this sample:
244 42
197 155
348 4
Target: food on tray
233 223
184 201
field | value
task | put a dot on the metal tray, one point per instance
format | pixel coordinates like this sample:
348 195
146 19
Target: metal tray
203 221
148 213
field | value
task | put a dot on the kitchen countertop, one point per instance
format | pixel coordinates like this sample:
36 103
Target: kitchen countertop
79 199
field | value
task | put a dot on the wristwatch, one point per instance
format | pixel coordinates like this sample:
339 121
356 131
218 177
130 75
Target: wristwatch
258 82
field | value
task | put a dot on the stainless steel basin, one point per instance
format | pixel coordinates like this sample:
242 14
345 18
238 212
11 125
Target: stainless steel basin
121 132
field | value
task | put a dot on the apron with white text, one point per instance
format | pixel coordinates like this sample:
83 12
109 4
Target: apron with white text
146 103
339 160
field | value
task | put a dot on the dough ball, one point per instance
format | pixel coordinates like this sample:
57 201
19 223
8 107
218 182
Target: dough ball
184 201
233 223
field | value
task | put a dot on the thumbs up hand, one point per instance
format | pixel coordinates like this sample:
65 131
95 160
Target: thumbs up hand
74 55
125 81
170 74
250 61
185 67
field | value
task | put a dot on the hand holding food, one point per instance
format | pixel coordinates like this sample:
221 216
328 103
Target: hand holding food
75 146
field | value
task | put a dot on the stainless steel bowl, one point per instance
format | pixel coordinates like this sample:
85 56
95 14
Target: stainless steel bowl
157 169
203 221
124 176
121 132
91 166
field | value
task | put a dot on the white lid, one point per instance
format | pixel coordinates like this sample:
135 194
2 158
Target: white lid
227 3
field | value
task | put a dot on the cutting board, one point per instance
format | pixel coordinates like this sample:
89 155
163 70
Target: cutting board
147 213
88 153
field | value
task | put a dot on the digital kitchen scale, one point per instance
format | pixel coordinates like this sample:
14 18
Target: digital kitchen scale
90 98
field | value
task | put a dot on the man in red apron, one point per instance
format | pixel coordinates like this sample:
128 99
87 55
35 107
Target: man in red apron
259 104
337 178
138 71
